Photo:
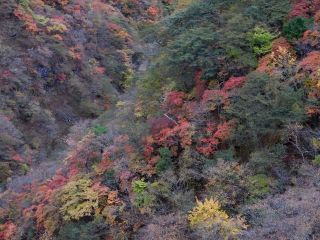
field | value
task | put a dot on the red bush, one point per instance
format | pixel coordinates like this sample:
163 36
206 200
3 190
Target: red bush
264 64
7 230
311 38
281 43
178 134
311 62
174 99
223 131
17 157
104 164
58 180
148 148
234 82
217 135
153 11
159 123
214 94
27 18
208 145
305 8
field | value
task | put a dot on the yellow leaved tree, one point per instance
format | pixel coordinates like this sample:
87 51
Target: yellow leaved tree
77 199
208 216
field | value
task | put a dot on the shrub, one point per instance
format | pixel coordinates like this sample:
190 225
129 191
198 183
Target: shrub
8 230
295 28
139 186
165 160
264 160
261 41
208 215
89 109
109 179
24 168
58 27
316 160
77 199
227 155
259 186
93 230
180 5
5 172
143 198
183 200
311 62
172 226
161 188
99 130
227 183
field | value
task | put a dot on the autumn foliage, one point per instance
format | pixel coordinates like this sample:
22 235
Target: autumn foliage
27 18
174 99
7 230
223 91
208 215
311 62
305 8
233 82
216 135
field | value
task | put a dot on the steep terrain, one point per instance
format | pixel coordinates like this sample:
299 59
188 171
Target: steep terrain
59 64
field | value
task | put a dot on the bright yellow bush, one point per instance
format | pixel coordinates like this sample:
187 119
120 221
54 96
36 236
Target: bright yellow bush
208 215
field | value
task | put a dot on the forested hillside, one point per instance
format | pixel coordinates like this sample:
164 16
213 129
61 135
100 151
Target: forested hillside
149 120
